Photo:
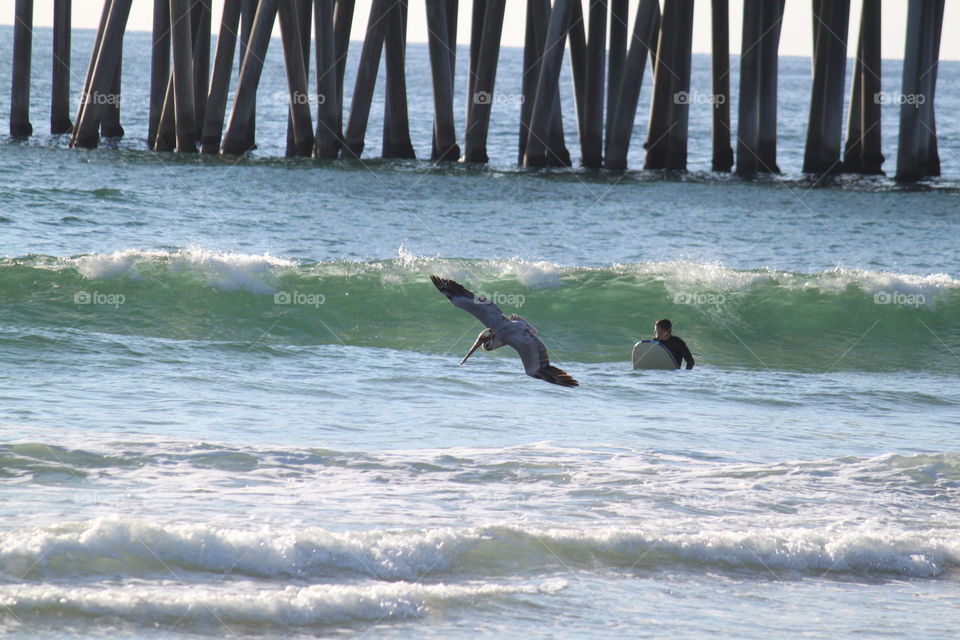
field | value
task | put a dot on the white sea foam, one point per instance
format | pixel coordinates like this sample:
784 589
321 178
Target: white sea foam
258 273
479 273
108 544
680 274
716 276
872 282
778 552
245 604
221 270
100 266
537 275
698 276
128 547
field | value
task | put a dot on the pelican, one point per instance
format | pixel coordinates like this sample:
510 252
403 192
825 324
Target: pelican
501 330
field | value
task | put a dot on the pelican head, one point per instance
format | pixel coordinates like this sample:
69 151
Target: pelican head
485 338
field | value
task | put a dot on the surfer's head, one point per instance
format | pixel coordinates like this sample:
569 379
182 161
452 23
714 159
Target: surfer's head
662 329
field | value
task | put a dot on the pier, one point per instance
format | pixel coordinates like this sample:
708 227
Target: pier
611 54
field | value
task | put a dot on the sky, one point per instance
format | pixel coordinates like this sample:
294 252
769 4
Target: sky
796 37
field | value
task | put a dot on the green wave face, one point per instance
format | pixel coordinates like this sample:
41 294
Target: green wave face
841 319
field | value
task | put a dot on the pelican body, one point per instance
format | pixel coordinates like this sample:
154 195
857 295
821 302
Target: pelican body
501 330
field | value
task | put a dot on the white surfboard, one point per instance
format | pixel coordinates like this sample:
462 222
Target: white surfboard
650 354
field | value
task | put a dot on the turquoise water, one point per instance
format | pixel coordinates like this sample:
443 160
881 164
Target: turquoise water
231 404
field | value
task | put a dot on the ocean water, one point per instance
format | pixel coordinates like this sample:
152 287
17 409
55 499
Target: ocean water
230 404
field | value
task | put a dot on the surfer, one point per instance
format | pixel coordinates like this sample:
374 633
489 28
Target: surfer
663 331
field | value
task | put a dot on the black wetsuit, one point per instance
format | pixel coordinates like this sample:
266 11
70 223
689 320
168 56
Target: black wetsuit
679 350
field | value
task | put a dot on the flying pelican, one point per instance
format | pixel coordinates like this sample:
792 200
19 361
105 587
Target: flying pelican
513 331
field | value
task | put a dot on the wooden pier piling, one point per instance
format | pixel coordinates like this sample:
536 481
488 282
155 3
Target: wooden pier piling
220 82
824 128
644 41
616 57
239 135
769 45
477 13
159 67
303 15
556 154
720 85
248 17
669 114
453 13
577 41
165 137
369 66
538 20
481 91
328 135
110 126
396 126
917 155
60 79
297 91
169 136
342 23
748 125
20 126
531 71
862 152
101 73
183 85
91 65
539 149
200 22
757 110
591 133
444 145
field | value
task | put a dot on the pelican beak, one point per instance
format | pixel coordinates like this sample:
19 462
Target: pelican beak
483 337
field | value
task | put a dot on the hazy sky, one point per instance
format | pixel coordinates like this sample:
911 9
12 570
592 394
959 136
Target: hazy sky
795 40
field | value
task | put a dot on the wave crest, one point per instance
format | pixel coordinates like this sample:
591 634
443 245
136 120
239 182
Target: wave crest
105 546
847 318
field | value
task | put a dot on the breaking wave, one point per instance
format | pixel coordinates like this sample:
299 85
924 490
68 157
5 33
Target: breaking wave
759 318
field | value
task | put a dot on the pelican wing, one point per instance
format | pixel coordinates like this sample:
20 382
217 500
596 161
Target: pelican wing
486 312
516 317
533 354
